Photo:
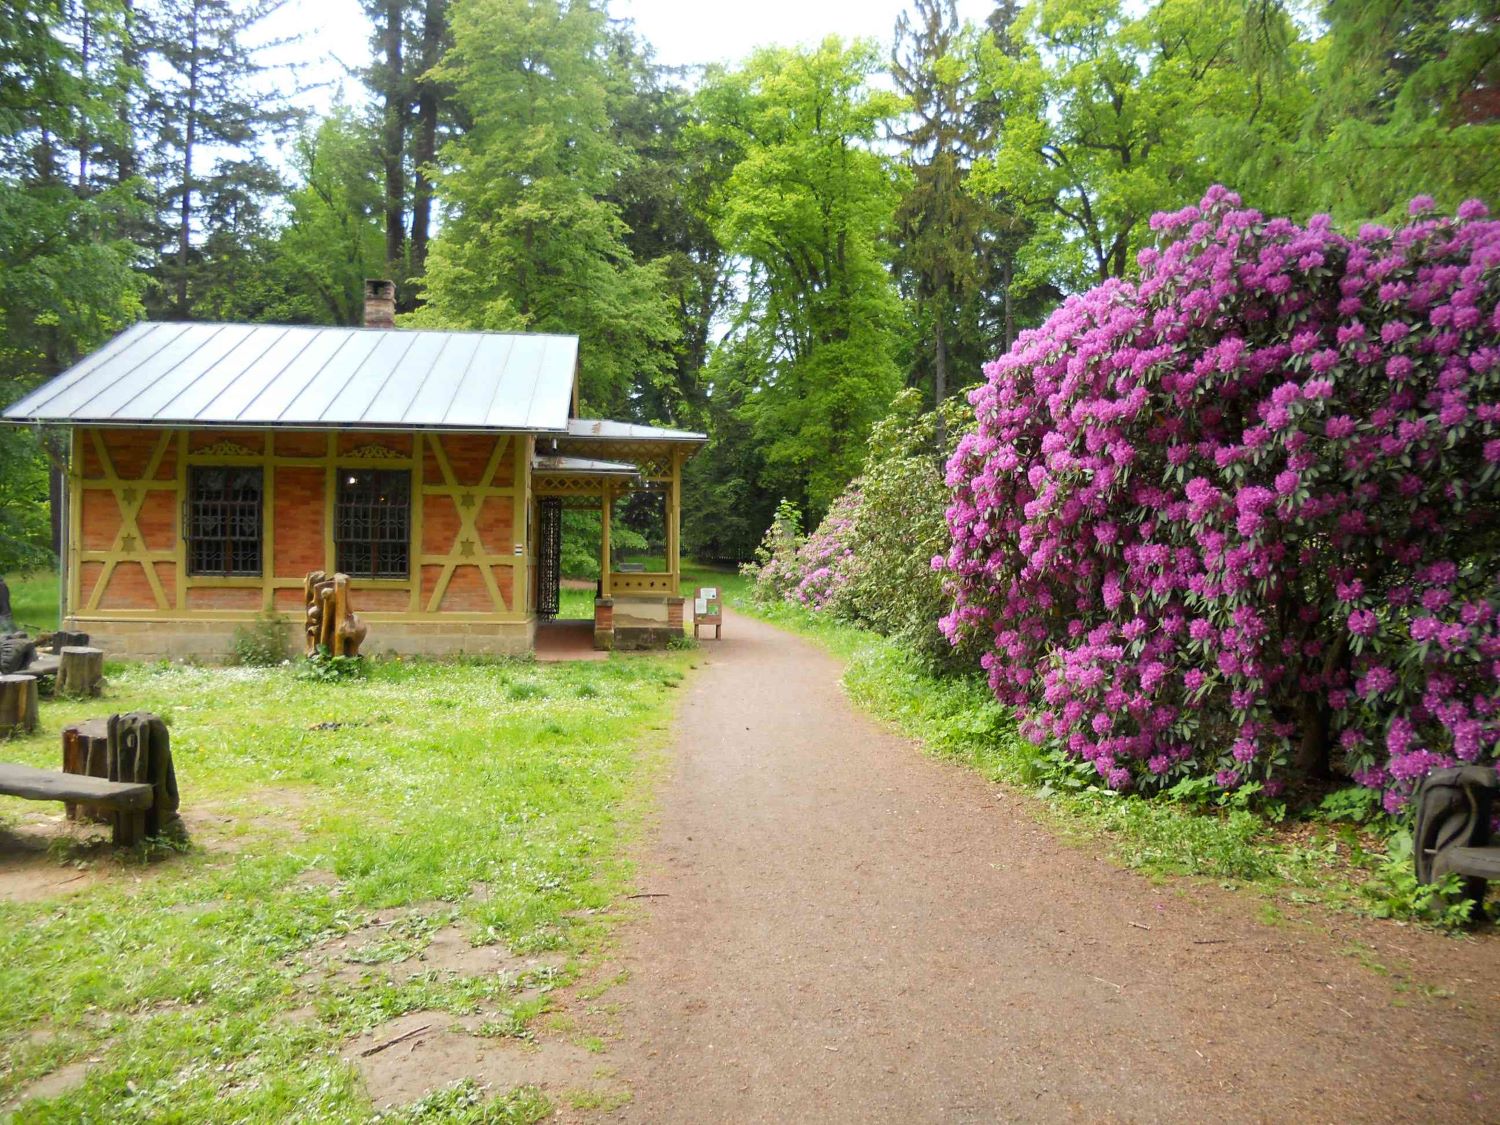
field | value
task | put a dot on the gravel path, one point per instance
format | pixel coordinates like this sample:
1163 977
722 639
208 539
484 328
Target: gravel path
852 931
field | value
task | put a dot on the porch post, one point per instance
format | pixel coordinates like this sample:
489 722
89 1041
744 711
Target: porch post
606 505
674 523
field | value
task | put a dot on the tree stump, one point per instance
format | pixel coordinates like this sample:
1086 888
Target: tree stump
130 748
81 672
85 749
18 704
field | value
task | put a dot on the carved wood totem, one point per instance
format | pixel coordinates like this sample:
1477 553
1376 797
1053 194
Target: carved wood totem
330 622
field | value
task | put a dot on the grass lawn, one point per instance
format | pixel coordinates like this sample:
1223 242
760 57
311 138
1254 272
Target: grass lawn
337 830
34 599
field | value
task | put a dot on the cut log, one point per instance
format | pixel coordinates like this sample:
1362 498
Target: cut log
85 750
81 672
18 704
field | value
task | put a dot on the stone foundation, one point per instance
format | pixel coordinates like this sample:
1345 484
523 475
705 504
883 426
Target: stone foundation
632 623
213 641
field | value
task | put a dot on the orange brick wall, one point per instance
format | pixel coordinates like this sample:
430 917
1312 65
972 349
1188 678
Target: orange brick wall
468 454
100 519
157 519
128 588
247 598
295 522
301 443
298 521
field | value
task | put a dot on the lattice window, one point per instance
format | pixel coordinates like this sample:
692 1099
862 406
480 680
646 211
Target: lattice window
224 521
372 523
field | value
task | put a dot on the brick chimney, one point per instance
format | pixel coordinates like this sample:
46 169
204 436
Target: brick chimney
380 303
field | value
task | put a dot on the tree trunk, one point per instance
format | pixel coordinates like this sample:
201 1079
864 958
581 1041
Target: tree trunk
85 45
81 671
130 58
425 142
940 372
394 140
1312 758
189 139
18 704
1010 319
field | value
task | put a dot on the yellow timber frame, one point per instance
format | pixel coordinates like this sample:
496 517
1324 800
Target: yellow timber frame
129 546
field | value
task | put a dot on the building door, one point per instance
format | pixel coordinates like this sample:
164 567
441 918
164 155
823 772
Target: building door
549 556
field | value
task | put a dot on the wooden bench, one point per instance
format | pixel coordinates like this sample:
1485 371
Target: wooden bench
1452 833
129 802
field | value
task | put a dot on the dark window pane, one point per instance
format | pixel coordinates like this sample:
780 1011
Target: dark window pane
372 523
224 522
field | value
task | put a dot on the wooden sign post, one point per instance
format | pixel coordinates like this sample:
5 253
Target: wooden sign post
708 609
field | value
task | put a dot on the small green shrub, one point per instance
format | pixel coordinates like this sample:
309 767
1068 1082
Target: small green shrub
1354 804
1393 890
263 643
323 667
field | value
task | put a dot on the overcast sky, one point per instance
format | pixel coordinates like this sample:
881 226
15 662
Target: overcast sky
684 32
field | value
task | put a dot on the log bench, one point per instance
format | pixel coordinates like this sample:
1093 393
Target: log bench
117 770
129 802
1452 834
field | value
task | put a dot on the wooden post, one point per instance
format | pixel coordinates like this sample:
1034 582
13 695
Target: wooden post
18 704
674 525
81 671
606 507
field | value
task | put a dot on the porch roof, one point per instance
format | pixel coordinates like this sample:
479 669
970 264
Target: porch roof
558 465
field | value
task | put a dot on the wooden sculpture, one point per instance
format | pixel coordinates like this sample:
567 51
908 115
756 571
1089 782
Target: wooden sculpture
331 625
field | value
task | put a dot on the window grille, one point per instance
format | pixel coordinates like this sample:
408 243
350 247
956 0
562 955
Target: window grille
372 523
224 521
549 557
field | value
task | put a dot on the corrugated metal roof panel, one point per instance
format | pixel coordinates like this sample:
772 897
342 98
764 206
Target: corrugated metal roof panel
266 374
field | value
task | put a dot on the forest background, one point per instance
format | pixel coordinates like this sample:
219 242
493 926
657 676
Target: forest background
771 252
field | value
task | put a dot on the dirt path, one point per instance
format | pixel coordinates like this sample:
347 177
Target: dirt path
855 932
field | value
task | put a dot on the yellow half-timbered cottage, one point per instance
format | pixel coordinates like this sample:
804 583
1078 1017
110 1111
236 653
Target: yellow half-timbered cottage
213 466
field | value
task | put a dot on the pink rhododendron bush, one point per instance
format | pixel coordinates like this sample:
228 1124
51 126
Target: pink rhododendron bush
1240 519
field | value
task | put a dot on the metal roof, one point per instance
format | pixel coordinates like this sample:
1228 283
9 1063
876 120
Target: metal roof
558 464
605 430
277 375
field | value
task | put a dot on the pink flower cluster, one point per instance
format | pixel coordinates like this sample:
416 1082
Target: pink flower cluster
824 560
1240 519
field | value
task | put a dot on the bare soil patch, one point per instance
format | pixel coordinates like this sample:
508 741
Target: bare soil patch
394 944
50 1085
408 1058
44 855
